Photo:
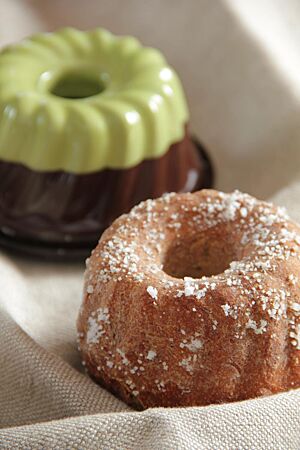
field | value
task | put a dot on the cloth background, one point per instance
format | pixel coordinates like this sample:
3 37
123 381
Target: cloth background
239 62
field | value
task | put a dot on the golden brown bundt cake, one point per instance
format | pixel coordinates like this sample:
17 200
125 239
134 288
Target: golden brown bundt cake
194 299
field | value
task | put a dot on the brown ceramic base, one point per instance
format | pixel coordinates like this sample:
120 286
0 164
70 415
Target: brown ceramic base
80 244
40 250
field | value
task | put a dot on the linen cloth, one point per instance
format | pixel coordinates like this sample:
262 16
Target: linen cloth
239 64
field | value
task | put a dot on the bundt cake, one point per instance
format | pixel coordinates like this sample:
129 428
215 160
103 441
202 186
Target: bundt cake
193 299
90 124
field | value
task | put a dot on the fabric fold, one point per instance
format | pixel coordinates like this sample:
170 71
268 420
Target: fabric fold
38 386
256 424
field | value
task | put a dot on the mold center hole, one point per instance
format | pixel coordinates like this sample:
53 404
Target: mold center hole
74 85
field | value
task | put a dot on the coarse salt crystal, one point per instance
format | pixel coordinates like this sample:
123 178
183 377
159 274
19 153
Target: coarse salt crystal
296 308
226 308
89 289
244 212
151 355
152 291
194 345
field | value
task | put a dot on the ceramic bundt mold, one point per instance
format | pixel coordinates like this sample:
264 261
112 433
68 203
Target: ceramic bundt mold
90 124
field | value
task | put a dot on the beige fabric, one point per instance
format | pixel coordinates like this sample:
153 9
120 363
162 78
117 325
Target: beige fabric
240 67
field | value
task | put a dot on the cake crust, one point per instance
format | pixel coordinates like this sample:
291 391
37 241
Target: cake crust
193 299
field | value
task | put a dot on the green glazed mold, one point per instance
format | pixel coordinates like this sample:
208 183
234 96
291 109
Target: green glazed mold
85 101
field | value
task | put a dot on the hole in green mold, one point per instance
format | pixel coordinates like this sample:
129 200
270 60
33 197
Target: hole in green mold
77 85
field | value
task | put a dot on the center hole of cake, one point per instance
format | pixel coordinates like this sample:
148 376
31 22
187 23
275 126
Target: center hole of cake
198 257
77 85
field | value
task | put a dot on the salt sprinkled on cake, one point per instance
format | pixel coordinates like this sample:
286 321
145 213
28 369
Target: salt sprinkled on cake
94 331
89 289
194 345
295 335
95 328
152 291
296 308
151 355
257 225
226 309
258 329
